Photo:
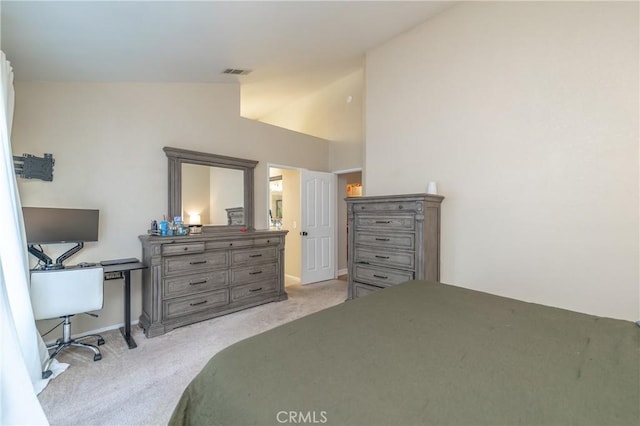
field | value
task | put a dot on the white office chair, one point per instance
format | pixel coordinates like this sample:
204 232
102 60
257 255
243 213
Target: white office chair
64 293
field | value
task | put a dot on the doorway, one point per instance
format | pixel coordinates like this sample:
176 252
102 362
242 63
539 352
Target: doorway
284 213
311 257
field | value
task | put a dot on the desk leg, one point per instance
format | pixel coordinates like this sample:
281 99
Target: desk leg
126 330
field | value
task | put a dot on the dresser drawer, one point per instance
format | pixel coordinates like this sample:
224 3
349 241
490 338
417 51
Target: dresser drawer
379 276
385 222
397 259
253 273
403 241
190 304
360 289
266 241
195 262
194 283
187 248
257 255
252 290
229 244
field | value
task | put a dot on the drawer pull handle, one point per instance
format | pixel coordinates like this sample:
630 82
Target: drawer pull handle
382 239
383 221
186 248
382 277
253 290
382 257
255 255
197 282
198 262
199 303
255 273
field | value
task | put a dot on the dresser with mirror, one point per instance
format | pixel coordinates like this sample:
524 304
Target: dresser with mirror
227 267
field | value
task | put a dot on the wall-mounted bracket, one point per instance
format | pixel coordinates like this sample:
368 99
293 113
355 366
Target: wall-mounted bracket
31 167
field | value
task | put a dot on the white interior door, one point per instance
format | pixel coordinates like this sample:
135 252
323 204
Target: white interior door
318 227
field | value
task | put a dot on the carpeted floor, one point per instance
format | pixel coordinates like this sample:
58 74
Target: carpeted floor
142 386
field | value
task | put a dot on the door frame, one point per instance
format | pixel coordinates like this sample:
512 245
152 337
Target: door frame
338 203
335 210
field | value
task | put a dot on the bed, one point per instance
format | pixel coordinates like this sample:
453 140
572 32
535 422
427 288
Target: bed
429 354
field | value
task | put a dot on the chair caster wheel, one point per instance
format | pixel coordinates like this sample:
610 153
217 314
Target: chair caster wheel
100 341
46 374
97 357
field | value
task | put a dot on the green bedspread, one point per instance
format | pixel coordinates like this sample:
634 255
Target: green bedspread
429 354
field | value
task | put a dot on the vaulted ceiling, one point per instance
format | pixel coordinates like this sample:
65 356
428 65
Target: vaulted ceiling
292 48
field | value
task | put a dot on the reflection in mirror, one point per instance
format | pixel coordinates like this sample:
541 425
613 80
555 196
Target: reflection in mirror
212 195
275 195
212 190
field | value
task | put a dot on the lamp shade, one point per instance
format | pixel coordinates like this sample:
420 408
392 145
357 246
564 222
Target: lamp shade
194 219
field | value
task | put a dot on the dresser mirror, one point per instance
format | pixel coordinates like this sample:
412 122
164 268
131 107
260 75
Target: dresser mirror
211 190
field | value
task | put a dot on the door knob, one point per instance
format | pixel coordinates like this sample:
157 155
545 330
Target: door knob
304 233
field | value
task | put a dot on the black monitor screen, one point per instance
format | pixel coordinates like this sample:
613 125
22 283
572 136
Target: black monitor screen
51 225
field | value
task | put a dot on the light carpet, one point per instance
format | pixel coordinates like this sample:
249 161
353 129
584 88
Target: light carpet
142 386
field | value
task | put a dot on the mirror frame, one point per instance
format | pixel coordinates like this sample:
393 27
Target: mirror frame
177 157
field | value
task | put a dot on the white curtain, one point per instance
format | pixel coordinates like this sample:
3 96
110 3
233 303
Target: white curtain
22 350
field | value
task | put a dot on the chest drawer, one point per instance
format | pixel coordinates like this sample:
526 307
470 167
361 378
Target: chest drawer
360 289
187 305
253 273
404 222
392 239
194 283
257 255
252 290
388 207
396 259
380 276
195 263
403 241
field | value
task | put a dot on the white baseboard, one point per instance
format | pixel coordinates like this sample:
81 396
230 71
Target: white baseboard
96 331
292 278
344 271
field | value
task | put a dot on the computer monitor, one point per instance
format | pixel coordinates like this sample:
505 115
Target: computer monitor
44 225
53 226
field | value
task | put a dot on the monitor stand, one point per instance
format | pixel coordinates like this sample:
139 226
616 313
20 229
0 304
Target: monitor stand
48 262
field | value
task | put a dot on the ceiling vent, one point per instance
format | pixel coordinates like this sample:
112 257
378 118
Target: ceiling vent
234 71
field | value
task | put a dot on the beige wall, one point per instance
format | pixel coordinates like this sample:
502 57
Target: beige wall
526 114
327 114
107 142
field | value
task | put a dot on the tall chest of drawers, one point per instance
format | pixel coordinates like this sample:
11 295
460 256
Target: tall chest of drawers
198 277
392 239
